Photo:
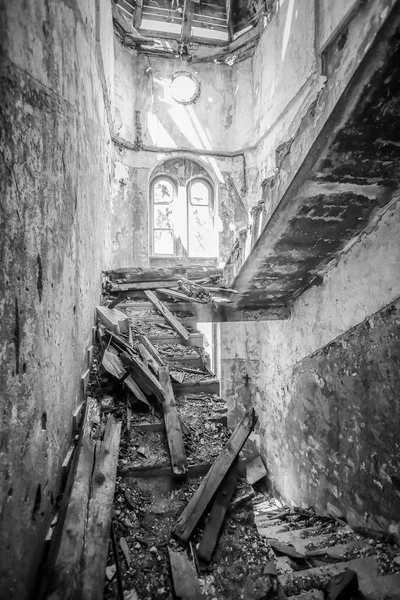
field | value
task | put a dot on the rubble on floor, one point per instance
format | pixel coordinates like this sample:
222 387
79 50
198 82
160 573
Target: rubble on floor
187 521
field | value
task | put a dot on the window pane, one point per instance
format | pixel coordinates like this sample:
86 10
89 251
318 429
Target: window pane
200 231
163 242
163 192
162 217
199 194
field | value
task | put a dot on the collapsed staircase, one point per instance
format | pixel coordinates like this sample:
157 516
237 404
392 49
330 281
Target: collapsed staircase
246 545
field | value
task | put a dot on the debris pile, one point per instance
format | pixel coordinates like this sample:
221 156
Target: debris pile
186 520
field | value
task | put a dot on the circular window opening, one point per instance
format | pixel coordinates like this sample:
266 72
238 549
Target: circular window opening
184 87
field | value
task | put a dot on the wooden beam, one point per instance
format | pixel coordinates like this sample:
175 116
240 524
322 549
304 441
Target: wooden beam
229 20
65 556
178 295
218 312
219 508
169 317
161 471
97 530
184 578
137 19
206 491
135 390
187 19
143 376
151 349
140 286
173 426
137 274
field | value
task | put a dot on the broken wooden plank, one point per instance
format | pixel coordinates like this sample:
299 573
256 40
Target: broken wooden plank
210 484
125 549
178 295
67 543
184 578
113 364
113 319
219 508
143 376
140 286
99 513
76 418
135 390
169 317
173 426
151 349
209 386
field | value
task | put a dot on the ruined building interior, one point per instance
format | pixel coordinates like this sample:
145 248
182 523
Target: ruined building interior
243 157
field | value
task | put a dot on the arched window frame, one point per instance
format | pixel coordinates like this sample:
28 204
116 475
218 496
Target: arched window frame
210 205
153 228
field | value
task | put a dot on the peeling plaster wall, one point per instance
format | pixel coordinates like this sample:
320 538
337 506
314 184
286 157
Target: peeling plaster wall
149 121
325 383
56 87
291 92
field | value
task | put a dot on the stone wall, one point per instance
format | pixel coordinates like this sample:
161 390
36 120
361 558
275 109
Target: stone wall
325 383
57 97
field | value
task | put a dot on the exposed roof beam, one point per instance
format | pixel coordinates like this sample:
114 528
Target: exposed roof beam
187 19
137 19
229 19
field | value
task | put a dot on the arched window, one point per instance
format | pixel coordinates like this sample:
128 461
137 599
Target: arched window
163 192
182 211
200 218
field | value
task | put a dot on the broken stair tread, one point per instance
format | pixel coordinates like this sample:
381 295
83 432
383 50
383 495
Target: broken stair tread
169 317
210 386
115 320
383 587
364 567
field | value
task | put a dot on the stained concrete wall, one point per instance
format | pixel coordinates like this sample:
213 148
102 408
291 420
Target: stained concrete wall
325 383
56 89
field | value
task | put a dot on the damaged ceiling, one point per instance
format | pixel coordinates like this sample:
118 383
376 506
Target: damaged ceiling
180 27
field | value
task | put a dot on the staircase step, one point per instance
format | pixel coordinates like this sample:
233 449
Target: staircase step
385 587
195 339
364 567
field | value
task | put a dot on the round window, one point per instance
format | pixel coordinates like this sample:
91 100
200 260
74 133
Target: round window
184 87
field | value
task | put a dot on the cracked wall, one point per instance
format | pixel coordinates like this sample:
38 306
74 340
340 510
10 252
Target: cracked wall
56 80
